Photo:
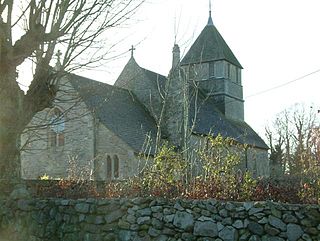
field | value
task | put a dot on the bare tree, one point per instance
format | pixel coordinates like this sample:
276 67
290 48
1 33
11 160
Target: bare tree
294 140
33 30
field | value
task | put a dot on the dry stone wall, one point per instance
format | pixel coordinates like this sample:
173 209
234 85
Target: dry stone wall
143 219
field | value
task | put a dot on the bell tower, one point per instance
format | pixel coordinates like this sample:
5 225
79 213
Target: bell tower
214 69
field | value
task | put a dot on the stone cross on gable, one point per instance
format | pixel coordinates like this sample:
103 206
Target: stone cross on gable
132 49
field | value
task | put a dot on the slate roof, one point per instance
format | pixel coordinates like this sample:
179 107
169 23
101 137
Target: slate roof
122 113
209 46
149 77
154 77
209 120
119 110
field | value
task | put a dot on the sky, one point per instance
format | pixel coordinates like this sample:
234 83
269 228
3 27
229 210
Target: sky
276 41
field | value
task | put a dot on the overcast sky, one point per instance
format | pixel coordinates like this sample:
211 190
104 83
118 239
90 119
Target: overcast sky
276 41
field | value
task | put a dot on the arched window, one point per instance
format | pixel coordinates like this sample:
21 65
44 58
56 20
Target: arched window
115 166
112 167
109 168
56 128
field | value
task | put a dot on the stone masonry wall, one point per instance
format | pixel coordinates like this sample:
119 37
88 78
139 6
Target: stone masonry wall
156 219
107 143
254 160
39 158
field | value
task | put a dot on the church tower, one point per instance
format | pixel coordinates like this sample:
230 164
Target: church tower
211 65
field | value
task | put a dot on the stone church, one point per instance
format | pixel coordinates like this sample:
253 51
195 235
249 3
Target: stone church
100 131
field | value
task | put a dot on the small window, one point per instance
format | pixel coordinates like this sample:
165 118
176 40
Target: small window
109 168
56 128
192 73
211 69
239 76
112 167
218 68
116 166
228 70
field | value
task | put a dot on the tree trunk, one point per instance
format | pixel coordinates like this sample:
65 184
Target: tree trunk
10 128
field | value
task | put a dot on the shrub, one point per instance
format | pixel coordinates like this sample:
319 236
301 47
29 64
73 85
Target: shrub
165 174
168 175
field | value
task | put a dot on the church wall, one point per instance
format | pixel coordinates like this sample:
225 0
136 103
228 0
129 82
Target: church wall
221 86
40 158
84 136
199 143
107 143
258 160
234 108
233 89
253 159
228 97
211 87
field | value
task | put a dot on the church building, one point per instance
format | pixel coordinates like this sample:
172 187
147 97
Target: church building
107 132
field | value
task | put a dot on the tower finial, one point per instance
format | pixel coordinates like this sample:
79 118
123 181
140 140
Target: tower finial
210 22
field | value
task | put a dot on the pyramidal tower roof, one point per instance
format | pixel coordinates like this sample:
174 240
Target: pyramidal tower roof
209 46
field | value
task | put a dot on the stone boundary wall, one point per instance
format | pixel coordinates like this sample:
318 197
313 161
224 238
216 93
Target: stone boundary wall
143 219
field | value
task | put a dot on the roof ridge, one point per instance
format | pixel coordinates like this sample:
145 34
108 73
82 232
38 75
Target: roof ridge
97 82
152 71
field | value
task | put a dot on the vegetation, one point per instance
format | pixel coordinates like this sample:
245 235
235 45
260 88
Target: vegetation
294 140
168 175
217 172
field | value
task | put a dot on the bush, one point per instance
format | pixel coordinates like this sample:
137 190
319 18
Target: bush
165 174
168 175
285 190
